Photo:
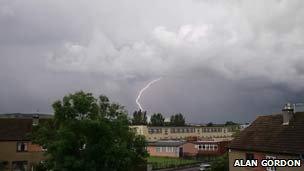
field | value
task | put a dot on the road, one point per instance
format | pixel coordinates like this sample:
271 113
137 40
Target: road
189 169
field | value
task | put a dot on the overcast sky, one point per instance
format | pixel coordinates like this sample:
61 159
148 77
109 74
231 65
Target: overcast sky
219 60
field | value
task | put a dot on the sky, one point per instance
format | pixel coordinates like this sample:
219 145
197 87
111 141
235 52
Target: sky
218 60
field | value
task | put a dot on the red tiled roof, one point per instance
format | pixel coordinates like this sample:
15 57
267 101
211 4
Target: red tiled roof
267 134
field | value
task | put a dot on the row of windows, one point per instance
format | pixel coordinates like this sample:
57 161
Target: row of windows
186 130
166 149
172 130
183 137
213 130
208 147
182 130
155 130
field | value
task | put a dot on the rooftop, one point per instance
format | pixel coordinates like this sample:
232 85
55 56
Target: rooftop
168 143
17 128
268 134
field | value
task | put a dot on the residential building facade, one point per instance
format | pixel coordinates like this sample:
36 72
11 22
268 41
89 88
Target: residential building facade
278 136
16 150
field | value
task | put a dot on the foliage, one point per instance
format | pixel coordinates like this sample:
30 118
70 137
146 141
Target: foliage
221 163
230 123
157 119
177 120
210 124
42 166
3 165
89 134
169 162
139 118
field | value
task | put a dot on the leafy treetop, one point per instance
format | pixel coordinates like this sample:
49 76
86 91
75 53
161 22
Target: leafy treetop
89 134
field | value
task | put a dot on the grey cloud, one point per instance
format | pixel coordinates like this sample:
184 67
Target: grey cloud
219 59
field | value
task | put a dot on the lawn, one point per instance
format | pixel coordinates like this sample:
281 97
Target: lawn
168 162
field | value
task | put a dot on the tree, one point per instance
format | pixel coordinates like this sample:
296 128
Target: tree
221 163
139 118
210 124
230 123
89 134
177 120
2 165
157 119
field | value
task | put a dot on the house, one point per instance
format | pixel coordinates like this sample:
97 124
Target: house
16 149
274 137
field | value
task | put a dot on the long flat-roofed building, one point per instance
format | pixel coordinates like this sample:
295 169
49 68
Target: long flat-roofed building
155 133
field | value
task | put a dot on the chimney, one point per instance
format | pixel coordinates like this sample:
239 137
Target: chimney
35 119
287 113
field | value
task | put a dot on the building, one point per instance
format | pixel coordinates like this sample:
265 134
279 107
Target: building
155 133
211 149
177 148
270 137
168 148
16 150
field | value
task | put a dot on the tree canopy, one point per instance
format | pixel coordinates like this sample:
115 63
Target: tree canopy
139 118
210 124
89 134
157 119
177 120
221 163
230 123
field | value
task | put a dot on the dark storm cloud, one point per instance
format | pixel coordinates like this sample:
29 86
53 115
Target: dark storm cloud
219 60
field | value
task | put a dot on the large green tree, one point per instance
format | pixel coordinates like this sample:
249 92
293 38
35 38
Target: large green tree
139 118
157 119
177 120
89 134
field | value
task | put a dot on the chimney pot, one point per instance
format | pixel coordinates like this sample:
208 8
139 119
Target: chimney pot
35 119
287 113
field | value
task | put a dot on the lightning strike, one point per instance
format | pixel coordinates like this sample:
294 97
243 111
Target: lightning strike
142 90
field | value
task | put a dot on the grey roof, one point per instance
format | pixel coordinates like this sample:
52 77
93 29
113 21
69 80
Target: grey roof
168 143
25 115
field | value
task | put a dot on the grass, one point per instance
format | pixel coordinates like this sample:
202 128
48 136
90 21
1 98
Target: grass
169 162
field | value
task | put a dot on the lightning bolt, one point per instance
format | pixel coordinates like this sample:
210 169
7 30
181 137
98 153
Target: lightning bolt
142 91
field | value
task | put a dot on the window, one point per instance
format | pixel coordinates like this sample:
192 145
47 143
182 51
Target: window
172 130
158 149
19 166
22 146
270 168
204 146
249 156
